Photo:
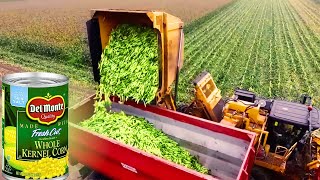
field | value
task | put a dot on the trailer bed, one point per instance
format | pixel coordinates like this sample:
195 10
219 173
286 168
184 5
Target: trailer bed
227 152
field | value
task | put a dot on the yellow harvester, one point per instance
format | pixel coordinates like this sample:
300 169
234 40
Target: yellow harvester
283 128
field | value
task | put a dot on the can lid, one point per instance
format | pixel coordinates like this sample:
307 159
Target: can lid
35 79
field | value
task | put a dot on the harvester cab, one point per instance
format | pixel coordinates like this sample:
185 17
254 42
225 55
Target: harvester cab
207 103
170 42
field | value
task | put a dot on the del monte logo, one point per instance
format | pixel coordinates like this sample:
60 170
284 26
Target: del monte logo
46 110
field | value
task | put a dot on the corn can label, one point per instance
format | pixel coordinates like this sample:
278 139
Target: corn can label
35 131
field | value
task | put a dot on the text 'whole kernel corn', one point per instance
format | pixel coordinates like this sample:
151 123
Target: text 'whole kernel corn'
35 126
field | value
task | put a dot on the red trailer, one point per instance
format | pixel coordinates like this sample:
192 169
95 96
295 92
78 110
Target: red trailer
228 152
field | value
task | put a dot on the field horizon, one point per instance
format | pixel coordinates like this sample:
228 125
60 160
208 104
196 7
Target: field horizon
269 47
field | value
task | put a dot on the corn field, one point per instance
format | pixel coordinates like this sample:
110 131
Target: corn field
271 47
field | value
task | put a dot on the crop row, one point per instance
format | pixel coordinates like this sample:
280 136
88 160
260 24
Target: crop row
262 45
309 12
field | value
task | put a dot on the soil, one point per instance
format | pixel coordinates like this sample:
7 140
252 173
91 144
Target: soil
185 9
7 69
62 23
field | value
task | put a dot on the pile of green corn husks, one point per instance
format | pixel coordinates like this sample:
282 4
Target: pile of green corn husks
139 133
129 69
129 64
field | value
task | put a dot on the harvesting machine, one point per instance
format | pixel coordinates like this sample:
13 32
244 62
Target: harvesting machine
228 135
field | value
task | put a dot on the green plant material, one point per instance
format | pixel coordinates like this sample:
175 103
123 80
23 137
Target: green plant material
81 79
129 69
275 54
129 65
139 133
75 55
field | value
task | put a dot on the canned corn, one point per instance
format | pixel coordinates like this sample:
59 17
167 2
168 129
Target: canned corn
35 126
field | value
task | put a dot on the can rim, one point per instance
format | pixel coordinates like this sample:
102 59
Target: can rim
58 79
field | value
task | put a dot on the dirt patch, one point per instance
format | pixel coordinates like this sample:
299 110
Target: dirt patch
61 23
185 9
309 12
7 69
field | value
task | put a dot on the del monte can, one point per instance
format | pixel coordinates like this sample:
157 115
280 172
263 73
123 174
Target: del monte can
35 126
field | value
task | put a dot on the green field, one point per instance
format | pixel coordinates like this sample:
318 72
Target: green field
271 47
265 46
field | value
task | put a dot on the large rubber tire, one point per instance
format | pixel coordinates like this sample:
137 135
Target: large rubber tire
260 173
183 108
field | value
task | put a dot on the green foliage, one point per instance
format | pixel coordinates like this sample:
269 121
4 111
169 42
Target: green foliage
259 45
267 46
81 79
129 69
191 26
139 133
34 62
129 65
76 55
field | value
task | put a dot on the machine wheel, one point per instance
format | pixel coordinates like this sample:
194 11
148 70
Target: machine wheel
259 173
183 108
